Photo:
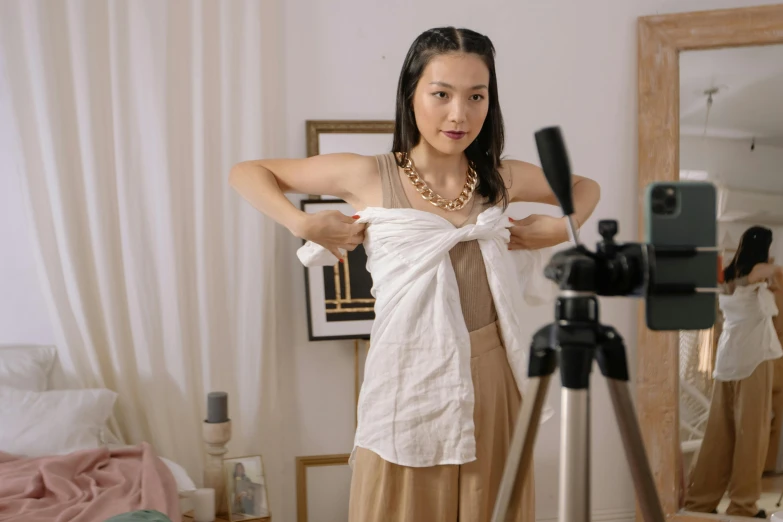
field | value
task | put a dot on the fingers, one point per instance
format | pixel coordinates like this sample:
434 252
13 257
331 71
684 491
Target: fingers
358 229
342 217
526 221
336 253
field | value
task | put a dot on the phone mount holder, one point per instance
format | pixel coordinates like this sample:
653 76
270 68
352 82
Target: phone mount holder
573 342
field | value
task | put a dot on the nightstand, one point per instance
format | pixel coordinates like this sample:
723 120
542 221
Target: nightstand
188 517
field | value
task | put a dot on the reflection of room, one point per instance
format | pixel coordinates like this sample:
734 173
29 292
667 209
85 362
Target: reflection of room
731 134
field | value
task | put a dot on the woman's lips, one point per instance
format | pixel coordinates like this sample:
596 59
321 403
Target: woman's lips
455 135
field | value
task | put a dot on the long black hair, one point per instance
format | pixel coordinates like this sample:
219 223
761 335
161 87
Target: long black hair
753 249
485 151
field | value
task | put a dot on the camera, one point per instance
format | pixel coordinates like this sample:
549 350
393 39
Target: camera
665 200
674 270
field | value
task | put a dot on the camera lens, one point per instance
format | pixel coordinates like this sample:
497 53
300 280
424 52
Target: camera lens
664 200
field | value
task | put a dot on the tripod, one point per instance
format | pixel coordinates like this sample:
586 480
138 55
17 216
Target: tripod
573 342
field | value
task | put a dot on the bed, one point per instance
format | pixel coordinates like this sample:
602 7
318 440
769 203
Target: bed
58 460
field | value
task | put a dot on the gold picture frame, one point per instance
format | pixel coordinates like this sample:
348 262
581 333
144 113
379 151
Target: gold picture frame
368 137
314 128
254 497
302 463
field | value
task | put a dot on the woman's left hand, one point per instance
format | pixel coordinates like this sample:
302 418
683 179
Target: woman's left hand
537 231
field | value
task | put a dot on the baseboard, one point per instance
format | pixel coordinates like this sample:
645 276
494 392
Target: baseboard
604 515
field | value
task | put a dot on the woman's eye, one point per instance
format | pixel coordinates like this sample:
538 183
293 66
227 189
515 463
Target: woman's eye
439 94
477 97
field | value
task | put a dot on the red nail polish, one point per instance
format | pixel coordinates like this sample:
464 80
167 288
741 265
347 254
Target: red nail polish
341 259
511 219
356 217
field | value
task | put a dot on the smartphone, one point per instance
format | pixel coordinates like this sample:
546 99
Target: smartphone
680 215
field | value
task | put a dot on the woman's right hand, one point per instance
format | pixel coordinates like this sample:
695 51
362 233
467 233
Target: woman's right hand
332 230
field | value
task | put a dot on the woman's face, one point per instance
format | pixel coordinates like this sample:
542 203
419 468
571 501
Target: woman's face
240 470
451 101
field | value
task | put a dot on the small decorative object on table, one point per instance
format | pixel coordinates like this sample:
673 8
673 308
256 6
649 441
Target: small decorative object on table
216 431
204 505
246 488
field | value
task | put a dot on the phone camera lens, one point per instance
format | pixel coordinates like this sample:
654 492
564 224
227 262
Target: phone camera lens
664 200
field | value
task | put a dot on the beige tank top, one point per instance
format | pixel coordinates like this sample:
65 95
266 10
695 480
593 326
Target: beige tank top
478 308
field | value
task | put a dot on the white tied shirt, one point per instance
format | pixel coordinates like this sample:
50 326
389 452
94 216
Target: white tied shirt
416 402
748 337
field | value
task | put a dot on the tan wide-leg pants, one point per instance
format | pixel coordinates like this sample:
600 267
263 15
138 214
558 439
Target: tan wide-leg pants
777 416
734 448
386 492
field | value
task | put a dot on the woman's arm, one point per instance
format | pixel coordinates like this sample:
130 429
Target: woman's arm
766 272
526 182
264 183
529 184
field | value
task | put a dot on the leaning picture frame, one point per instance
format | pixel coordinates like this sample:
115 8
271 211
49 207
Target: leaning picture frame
323 484
339 301
246 489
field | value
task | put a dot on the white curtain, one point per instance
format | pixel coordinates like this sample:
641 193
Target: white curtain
127 117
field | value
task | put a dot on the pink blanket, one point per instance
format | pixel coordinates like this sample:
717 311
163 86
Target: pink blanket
86 486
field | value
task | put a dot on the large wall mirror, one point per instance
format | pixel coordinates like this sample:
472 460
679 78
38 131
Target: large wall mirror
711 108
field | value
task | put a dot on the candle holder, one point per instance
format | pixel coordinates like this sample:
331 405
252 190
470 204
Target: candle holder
216 435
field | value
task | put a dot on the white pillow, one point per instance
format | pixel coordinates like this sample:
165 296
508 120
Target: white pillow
26 367
55 422
184 482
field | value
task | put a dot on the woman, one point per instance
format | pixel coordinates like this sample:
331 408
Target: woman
439 401
734 448
244 492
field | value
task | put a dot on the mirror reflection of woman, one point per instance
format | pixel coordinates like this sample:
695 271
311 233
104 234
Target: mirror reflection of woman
734 449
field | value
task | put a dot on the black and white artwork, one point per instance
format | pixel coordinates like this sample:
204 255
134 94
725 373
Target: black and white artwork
339 302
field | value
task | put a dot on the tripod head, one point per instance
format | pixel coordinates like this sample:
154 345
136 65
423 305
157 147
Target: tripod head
614 269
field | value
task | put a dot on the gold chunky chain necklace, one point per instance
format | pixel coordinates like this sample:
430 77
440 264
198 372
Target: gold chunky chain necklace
427 193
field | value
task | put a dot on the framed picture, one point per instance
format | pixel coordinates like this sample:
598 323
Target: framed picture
368 137
339 302
246 491
323 485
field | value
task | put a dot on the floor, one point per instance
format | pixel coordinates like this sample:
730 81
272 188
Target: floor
772 487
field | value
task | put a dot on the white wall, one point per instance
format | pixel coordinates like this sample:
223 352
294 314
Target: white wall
565 62
733 163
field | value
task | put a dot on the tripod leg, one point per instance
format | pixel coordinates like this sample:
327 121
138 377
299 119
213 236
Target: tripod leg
574 503
520 452
576 359
543 361
611 360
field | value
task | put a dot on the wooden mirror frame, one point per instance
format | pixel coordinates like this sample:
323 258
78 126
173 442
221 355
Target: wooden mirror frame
660 40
